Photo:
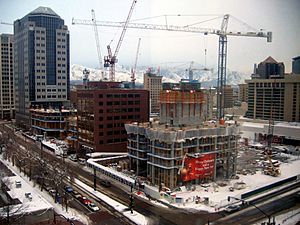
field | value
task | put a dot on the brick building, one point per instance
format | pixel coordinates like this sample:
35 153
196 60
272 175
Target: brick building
103 109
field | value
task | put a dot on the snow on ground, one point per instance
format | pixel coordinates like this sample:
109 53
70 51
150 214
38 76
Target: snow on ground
35 203
135 217
218 197
47 198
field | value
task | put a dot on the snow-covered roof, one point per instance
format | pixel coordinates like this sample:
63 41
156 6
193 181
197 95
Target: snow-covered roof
28 205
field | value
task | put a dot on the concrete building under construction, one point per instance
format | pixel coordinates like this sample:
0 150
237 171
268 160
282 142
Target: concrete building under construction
182 148
59 123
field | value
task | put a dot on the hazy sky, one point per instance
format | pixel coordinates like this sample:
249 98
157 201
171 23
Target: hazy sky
282 17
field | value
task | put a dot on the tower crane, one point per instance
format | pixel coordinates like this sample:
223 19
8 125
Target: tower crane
222 50
135 64
97 43
111 59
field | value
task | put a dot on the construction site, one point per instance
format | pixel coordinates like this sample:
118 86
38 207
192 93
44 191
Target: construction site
181 147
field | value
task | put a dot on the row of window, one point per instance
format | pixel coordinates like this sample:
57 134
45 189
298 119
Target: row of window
120 95
120 110
123 117
51 96
115 132
115 140
121 103
111 125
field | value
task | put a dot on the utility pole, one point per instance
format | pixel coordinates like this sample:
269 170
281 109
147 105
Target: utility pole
95 180
131 204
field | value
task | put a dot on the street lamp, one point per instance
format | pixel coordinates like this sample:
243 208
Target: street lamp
250 203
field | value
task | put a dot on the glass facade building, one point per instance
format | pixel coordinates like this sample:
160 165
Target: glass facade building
41 62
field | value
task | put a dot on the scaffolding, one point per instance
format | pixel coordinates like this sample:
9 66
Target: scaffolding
163 149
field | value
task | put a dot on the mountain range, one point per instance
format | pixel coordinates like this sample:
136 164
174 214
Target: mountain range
207 77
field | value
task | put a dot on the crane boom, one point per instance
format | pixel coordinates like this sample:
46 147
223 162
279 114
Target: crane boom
135 64
124 28
97 41
111 60
189 29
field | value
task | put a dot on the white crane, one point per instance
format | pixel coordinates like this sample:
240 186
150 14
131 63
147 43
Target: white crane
222 51
97 43
111 59
133 71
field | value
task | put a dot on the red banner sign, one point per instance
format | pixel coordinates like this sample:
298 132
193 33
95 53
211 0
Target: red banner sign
198 167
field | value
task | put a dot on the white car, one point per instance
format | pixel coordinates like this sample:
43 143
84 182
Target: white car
93 207
232 208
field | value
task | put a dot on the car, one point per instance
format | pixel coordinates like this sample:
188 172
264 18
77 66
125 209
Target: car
92 206
52 192
69 189
85 200
232 208
105 183
73 157
231 189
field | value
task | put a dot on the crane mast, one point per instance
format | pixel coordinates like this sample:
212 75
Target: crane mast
111 60
135 64
97 42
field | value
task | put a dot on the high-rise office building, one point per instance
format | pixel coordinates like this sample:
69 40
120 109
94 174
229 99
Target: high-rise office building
243 92
276 97
228 96
269 67
7 102
153 83
296 65
41 62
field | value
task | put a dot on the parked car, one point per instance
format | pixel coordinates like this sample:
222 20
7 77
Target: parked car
52 192
82 161
92 206
232 208
231 189
85 200
69 189
73 157
105 183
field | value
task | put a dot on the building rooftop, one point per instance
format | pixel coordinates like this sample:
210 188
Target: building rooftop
296 58
43 11
269 60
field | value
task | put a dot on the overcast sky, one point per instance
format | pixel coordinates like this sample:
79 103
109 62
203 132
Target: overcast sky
158 47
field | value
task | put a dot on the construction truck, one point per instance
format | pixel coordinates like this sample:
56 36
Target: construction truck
271 168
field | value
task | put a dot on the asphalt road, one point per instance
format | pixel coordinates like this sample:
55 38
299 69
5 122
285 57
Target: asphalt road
245 217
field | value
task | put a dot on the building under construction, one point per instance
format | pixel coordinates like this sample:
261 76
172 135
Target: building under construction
59 123
182 148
